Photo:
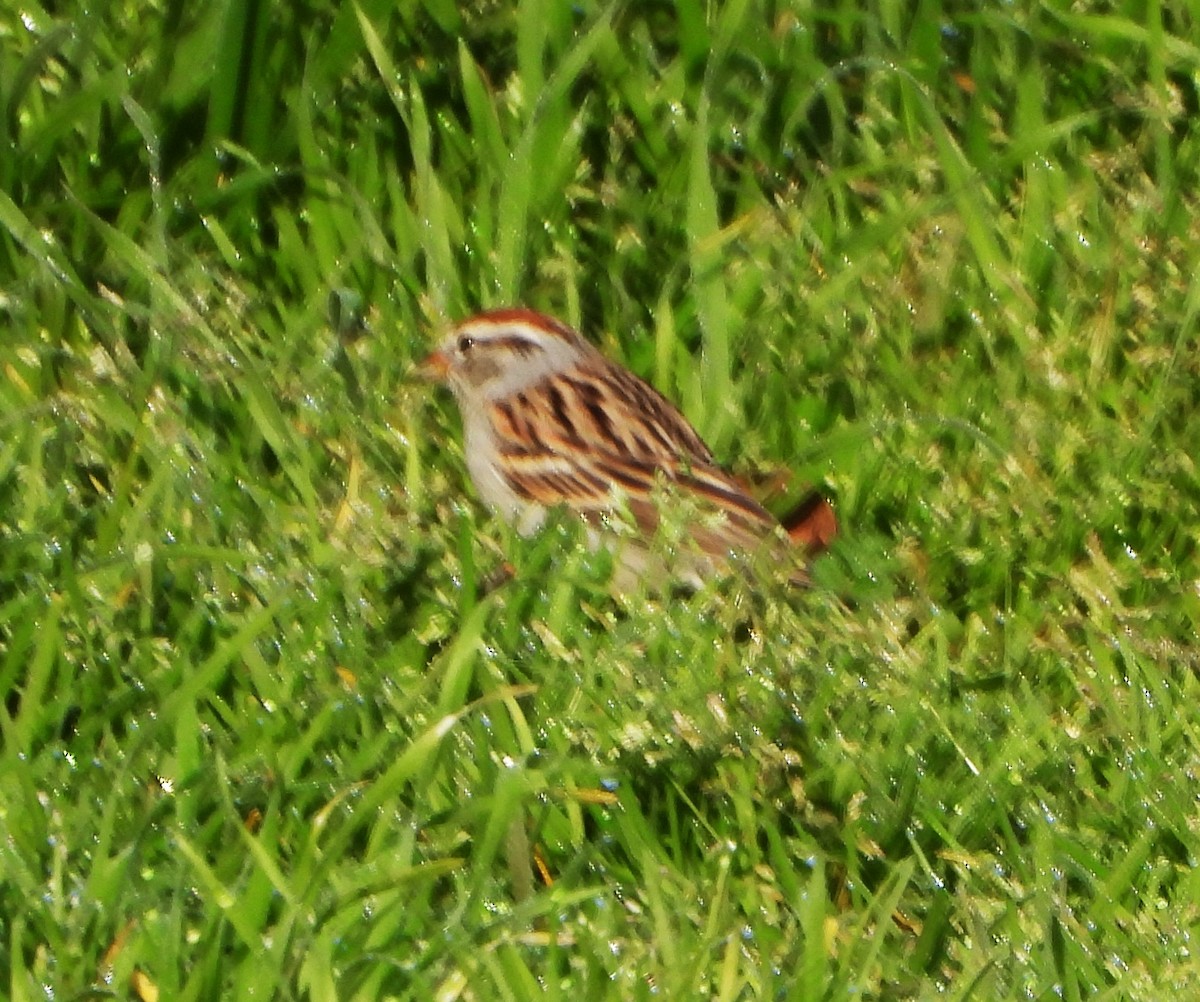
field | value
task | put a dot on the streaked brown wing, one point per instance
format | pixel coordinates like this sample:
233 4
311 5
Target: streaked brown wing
548 477
602 483
599 439
605 409
596 483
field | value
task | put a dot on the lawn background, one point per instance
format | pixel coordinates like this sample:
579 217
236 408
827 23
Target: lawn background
263 738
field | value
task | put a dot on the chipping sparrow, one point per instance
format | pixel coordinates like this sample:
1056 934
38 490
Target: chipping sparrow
548 420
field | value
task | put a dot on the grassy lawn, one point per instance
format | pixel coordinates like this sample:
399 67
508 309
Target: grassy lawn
264 733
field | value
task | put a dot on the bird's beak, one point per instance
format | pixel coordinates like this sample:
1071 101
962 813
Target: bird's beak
434 367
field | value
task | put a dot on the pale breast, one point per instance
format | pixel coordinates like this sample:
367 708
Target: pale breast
494 488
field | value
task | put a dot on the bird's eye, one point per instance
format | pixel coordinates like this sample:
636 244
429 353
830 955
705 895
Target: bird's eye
465 344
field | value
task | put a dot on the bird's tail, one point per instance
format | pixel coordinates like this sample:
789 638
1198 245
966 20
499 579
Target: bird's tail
811 524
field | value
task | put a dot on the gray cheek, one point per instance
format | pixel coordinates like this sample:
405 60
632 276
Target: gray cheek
478 370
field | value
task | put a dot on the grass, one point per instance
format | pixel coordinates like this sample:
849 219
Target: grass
262 735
